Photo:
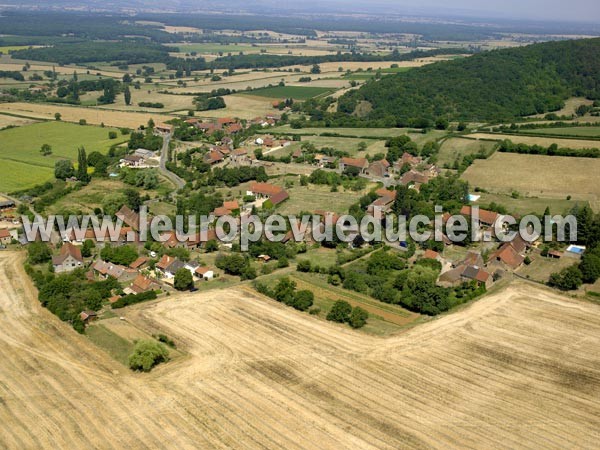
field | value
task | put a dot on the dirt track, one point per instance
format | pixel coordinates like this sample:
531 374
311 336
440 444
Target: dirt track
517 369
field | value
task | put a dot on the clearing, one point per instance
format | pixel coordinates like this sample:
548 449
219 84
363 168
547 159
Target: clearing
519 368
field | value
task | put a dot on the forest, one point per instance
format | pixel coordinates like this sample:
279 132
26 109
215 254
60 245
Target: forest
493 86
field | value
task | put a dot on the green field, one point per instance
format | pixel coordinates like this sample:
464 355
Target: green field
295 92
116 346
454 148
527 205
24 166
566 131
312 198
10 48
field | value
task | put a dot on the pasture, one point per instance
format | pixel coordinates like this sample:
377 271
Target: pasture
518 368
312 197
583 132
536 176
20 147
527 205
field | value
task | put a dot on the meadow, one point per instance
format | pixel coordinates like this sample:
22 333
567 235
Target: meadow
457 148
535 140
20 150
585 132
311 198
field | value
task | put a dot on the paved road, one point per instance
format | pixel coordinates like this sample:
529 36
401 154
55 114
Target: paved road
164 153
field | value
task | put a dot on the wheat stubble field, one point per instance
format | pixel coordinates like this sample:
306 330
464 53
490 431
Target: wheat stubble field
520 368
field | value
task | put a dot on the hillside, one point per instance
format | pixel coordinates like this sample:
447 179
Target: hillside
495 85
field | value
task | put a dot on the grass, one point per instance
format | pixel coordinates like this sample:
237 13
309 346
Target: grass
20 148
10 48
454 148
324 257
311 198
541 268
536 176
374 133
527 205
566 131
116 346
295 92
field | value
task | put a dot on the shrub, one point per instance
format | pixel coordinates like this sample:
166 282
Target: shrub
147 354
358 318
340 312
303 300
112 134
133 299
183 279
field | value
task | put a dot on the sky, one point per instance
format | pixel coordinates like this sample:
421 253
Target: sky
571 10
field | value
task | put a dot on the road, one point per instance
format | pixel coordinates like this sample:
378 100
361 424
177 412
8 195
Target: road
164 153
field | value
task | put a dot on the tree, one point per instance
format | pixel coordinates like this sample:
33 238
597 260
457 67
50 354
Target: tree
82 173
211 246
183 279
86 248
46 150
590 267
340 312
112 202
133 199
63 169
127 94
57 116
303 300
567 279
316 69
284 291
147 354
38 253
304 265
358 318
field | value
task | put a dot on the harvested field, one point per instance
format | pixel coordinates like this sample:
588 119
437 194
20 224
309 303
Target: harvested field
10 121
537 175
536 140
519 368
91 115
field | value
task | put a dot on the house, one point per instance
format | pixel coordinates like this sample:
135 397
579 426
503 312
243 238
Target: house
384 203
360 163
297 153
146 154
506 256
88 316
234 128
555 254
5 237
477 274
204 273
164 262
431 254
133 161
239 156
224 121
139 263
265 190
213 157
379 168
129 217
268 141
413 179
264 258
121 273
143 284
486 218
6 204
68 259
164 128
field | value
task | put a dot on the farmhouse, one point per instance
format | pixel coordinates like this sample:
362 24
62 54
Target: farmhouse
163 128
477 274
431 254
213 157
139 263
121 273
129 217
68 259
506 256
133 161
414 179
360 163
239 156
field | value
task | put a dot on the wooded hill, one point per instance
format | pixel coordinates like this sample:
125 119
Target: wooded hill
495 85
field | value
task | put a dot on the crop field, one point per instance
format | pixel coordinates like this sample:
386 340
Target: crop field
93 116
536 175
518 368
295 92
145 94
535 140
357 132
454 148
6 121
21 147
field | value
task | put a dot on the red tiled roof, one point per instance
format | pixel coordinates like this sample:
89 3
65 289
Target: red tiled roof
265 189
279 197
508 255
486 217
361 163
4 233
231 205
431 254
67 250
138 262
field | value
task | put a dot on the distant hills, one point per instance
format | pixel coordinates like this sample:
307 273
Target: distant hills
489 86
